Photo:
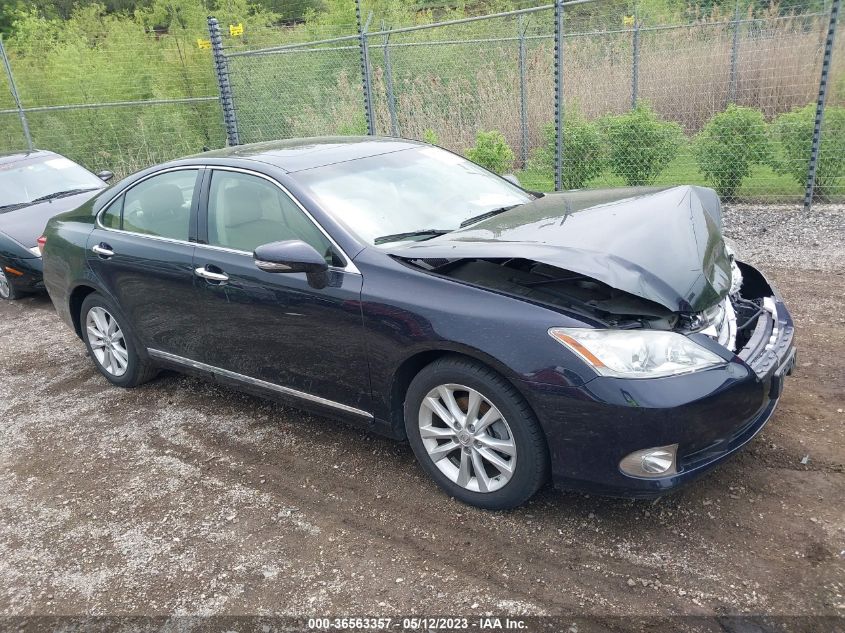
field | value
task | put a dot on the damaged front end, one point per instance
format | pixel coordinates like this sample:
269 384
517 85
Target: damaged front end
630 259
730 322
748 321
678 351
701 407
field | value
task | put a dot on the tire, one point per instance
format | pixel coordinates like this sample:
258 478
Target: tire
115 355
7 291
520 444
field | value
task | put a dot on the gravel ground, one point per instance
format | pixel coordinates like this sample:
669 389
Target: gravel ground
786 236
182 497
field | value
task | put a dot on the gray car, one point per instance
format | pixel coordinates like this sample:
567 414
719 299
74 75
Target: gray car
34 187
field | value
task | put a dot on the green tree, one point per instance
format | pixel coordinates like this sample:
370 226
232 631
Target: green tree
640 144
430 137
10 10
584 151
729 145
793 133
491 151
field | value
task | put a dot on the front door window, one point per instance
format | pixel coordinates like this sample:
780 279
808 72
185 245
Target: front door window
246 211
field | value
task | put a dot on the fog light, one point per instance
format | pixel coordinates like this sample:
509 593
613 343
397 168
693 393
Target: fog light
651 462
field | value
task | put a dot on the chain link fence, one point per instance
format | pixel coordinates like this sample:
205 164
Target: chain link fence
729 101
136 99
323 83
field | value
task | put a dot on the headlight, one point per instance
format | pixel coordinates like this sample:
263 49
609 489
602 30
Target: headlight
636 353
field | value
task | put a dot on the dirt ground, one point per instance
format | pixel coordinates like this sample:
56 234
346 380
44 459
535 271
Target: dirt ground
182 497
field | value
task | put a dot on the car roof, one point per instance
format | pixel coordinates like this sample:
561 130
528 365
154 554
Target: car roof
293 155
13 157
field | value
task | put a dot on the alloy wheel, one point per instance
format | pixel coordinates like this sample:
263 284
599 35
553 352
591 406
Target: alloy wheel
5 288
467 438
107 341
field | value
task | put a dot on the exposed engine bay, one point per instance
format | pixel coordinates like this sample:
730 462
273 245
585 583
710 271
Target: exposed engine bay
730 322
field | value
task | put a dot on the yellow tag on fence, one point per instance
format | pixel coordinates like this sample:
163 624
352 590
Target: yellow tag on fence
628 20
203 43
236 29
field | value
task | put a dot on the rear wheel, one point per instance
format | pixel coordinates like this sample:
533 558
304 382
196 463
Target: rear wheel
474 434
7 290
111 344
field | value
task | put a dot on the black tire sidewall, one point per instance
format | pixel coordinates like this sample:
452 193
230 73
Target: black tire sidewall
532 454
135 368
14 293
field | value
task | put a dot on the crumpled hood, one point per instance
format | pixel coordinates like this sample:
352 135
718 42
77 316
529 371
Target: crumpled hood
26 224
664 245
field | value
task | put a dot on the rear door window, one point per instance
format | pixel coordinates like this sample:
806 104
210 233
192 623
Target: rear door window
161 205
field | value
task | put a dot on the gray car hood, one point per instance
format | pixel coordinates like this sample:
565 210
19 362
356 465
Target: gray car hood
664 245
26 224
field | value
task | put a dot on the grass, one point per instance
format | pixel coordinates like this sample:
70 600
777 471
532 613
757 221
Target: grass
763 185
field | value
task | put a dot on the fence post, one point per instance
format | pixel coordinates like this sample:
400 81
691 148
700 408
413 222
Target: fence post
221 70
14 90
558 95
365 68
734 55
388 79
635 71
523 102
817 128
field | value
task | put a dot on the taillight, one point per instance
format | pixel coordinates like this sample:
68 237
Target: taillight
42 242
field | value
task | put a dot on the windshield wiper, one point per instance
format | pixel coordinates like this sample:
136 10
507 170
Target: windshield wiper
61 194
486 214
398 237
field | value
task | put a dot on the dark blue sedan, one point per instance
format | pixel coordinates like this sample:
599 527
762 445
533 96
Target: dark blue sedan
608 340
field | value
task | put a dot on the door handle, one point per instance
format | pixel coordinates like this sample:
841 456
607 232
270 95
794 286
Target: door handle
103 250
210 275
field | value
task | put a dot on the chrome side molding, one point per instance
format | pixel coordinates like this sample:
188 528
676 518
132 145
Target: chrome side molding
248 380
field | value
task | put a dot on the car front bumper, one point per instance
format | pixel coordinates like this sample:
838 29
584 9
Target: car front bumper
709 414
25 273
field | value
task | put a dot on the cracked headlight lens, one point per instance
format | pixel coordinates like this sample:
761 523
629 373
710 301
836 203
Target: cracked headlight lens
636 353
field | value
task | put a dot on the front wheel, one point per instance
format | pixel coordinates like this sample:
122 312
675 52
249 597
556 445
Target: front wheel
7 291
110 343
475 435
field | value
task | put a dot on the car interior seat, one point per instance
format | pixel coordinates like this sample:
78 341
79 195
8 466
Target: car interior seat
240 221
164 212
244 216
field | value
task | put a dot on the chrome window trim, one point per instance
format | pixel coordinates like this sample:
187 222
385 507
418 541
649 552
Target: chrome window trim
159 238
181 360
349 268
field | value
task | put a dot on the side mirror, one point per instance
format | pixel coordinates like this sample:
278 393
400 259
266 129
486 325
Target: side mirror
105 175
293 256
512 179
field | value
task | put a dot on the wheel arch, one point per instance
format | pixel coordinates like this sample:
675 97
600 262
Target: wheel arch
407 370
75 299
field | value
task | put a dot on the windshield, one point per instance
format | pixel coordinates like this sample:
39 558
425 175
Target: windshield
34 177
426 190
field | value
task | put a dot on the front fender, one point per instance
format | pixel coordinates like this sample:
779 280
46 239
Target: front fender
408 313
